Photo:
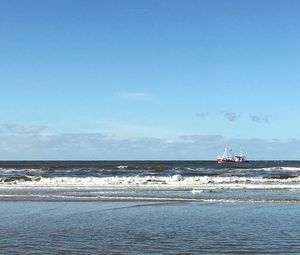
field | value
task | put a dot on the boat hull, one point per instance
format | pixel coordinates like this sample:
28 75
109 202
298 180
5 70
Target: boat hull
234 164
223 161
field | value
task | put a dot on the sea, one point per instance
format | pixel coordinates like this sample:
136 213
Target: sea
149 207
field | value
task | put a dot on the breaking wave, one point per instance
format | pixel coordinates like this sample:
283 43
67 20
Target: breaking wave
232 182
279 168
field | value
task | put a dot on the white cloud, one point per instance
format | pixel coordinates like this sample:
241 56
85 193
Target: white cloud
23 129
231 116
100 147
135 96
260 119
202 114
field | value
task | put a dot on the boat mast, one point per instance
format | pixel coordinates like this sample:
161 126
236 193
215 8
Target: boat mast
225 154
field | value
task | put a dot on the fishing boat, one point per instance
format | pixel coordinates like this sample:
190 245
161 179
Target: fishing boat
229 157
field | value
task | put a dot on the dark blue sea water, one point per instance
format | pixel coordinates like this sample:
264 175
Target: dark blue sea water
167 207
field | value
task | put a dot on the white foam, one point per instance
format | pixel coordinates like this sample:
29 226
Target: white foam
177 177
195 191
278 169
161 182
122 167
290 168
10 170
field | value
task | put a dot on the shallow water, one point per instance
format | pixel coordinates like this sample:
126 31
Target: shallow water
148 228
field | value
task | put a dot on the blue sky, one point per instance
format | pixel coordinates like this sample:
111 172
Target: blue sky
149 79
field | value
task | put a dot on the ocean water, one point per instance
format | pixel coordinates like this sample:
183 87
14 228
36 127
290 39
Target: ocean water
203 181
168 207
